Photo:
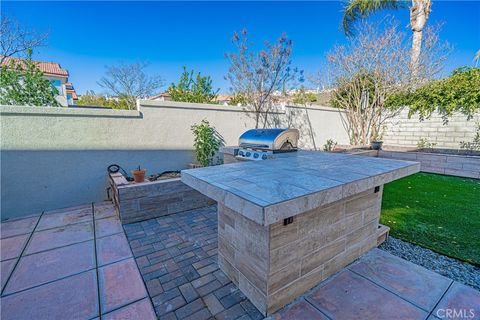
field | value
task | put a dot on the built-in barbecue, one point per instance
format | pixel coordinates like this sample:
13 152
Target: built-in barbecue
261 144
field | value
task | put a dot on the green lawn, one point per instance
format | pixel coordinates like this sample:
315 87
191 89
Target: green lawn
438 212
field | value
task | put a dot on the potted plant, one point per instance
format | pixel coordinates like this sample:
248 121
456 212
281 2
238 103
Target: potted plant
376 140
207 141
139 175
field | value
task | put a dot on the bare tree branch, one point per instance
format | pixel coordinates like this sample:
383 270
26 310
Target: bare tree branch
129 81
16 41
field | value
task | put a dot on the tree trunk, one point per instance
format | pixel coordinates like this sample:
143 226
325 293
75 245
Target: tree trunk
419 13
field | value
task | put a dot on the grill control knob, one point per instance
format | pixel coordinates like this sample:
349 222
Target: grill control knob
255 155
264 157
240 153
248 154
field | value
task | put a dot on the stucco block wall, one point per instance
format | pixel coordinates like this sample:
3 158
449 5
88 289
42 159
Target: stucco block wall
57 157
403 131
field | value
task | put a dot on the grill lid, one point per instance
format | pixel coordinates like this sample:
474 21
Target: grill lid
269 139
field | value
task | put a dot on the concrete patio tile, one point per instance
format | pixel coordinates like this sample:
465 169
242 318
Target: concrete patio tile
6 268
104 210
141 310
350 296
17 227
70 209
112 248
40 268
59 237
418 285
61 219
120 284
460 302
108 226
12 247
74 297
299 311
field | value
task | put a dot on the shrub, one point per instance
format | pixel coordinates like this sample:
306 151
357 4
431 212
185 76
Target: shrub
207 142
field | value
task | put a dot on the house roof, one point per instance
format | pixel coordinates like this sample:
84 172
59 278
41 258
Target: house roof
48 68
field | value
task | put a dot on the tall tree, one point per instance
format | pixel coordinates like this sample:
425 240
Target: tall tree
256 75
15 40
130 82
419 12
372 67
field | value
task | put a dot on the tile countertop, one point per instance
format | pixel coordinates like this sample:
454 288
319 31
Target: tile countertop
271 190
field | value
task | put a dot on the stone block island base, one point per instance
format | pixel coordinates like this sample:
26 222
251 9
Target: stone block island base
288 223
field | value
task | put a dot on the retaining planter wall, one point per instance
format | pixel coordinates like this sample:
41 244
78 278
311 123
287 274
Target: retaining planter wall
142 201
448 164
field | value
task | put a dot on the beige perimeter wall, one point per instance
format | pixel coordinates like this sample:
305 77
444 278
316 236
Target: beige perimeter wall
57 157
402 131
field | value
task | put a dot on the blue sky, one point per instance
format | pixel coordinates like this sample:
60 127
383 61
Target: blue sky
86 36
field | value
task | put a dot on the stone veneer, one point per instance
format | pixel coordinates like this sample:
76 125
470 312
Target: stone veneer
141 201
274 264
443 163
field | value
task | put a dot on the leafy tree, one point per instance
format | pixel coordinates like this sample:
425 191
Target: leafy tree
92 100
22 83
257 75
303 97
419 12
130 82
238 99
459 92
192 88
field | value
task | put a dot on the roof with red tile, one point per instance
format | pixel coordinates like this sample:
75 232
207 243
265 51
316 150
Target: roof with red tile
48 68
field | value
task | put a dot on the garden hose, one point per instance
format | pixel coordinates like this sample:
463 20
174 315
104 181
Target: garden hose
114 168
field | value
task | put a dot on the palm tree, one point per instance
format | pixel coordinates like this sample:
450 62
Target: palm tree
419 12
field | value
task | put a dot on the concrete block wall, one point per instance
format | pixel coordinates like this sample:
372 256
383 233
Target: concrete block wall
402 131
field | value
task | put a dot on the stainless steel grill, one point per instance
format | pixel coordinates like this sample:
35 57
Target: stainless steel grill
261 144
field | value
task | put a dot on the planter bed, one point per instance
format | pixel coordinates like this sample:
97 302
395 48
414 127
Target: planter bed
461 163
151 199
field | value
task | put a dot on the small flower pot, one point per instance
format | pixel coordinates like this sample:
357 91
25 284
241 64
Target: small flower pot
139 175
376 145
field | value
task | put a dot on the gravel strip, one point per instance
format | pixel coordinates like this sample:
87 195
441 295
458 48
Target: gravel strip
446 266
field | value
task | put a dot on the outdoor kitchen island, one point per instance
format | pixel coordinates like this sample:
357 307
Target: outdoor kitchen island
287 223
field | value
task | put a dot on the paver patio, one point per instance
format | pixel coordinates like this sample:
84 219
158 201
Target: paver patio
57 265
76 263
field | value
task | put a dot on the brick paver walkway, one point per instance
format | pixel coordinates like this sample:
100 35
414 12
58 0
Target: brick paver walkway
73 263
177 257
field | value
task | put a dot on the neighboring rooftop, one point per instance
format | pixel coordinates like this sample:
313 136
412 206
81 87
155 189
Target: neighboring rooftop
48 68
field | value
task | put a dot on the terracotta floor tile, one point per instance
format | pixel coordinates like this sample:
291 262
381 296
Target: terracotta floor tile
17 227
350 296
108 226
6 268
112 248
299 311
459 298
40 268
12 247
120 284
418 285
59 237
61 219
104 210
141 310
70 298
